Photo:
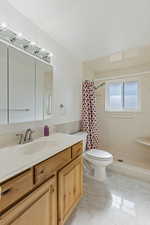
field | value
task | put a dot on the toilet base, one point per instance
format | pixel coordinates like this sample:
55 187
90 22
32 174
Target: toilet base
99 167
100 173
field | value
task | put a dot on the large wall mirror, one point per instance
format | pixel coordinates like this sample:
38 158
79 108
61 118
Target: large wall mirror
26 87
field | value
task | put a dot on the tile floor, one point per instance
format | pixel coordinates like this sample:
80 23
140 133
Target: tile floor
120 201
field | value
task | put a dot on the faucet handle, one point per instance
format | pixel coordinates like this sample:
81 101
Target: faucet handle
20 136
30 135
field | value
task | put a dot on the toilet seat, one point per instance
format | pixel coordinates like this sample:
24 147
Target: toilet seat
98 154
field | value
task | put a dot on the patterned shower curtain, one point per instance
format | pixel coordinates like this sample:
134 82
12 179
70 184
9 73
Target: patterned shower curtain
88 114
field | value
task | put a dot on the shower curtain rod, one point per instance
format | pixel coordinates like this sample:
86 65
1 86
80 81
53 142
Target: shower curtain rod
98 86
123 75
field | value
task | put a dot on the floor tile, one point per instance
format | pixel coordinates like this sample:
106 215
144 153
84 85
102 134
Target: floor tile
121 200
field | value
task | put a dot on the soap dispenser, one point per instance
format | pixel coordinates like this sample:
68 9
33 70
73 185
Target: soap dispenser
46 130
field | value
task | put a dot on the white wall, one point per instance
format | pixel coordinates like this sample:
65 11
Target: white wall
67 69
118 131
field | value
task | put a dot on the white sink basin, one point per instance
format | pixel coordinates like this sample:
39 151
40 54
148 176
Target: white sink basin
38 146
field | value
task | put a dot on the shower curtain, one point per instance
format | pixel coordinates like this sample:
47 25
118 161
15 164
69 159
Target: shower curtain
88 114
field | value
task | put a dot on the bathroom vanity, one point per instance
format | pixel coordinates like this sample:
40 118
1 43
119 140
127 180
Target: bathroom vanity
44 186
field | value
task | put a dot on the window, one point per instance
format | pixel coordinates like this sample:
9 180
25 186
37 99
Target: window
122 95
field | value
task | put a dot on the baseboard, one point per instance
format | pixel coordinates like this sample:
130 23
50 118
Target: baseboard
130 170
89 176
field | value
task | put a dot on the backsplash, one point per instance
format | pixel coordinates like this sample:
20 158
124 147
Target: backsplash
8 132
69 128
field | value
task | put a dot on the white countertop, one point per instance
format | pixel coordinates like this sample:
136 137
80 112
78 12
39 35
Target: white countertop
16 159
144 140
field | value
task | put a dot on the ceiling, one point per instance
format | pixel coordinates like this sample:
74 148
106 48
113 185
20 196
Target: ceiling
91 28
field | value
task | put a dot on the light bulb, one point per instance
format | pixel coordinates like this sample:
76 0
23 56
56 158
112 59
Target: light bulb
19 35
50 54
3 25
33 43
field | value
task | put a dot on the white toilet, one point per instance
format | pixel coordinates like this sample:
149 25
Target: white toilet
99 158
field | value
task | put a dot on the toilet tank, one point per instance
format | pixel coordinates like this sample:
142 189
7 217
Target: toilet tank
83 135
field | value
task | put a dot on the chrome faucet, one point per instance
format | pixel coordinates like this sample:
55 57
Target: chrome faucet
25 138
28 136
20 138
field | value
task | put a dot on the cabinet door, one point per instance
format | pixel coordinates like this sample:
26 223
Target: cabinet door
3 84
21 87
44 90
70 188
40 208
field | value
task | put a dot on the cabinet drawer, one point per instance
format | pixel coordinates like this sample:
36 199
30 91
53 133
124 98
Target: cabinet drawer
77 149
37 208
14 189
45 169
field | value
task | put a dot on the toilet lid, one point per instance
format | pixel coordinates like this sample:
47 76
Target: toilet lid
99 154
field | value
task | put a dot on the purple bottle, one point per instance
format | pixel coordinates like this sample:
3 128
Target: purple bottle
46 131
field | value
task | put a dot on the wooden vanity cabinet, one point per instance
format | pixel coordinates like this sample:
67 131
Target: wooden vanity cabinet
45 169
70 183
14 189
39 208
77 150
47 193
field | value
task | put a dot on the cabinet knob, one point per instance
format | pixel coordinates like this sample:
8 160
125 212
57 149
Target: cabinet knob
5 192
42 171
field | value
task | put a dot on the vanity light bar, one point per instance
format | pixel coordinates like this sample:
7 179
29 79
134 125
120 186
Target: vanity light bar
19 41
